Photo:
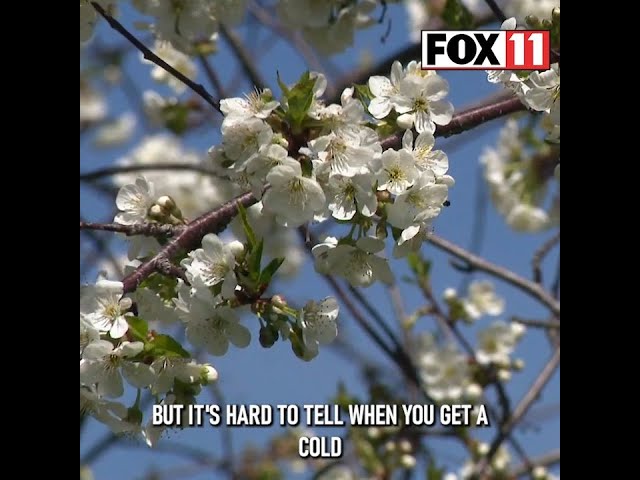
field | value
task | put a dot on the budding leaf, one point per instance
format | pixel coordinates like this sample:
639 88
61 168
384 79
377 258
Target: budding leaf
299 99
269 270
248 231
138 328
254 259
165 345
419 265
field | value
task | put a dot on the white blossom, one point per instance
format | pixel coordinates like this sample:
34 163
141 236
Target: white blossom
255 105
398 171
208 324
134 201
497 342
318 322
414 209
420 103
348 195
293 198
384 90
212 264
103 306
358 263
103 364
423 154
482 299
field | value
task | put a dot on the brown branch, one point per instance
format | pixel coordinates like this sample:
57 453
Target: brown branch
467 119
531 322
152 57
521 409
212 76
546 460
146 229
189 238
478 263
540 255
118 169
404 56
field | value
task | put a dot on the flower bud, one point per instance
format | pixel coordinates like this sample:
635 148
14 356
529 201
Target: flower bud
449 293
237 248
268 336
539 473
373 432
408 461
482 448
473 391
278 301
504 375
156 212
517 364
209 374
405 445
166 203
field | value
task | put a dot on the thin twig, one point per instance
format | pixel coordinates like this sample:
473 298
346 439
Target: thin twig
243 57
531 322
497 11
146 229
540 255
118 169
523 406
479 263
212 76
546 460
190 237
152 57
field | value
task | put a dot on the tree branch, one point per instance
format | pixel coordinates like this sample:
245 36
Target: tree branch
478 263
189 238
540 255
146 229
521 409
546 460
243 57
152 57
118 169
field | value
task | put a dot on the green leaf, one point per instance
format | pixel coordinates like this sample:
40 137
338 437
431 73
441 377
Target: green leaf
299 99
456 15
165 345
250 234
138 327
283 87
254 260
419 265
163 285
269 270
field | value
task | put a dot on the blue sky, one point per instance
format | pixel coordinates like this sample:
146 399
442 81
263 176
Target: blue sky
275 376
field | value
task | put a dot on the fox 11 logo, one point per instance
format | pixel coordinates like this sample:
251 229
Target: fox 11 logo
485 50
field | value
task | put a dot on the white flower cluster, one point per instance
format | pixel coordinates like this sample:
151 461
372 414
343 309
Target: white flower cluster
445 371
340 172
116 345
107 356
482 300
518 182
540 91
328 25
